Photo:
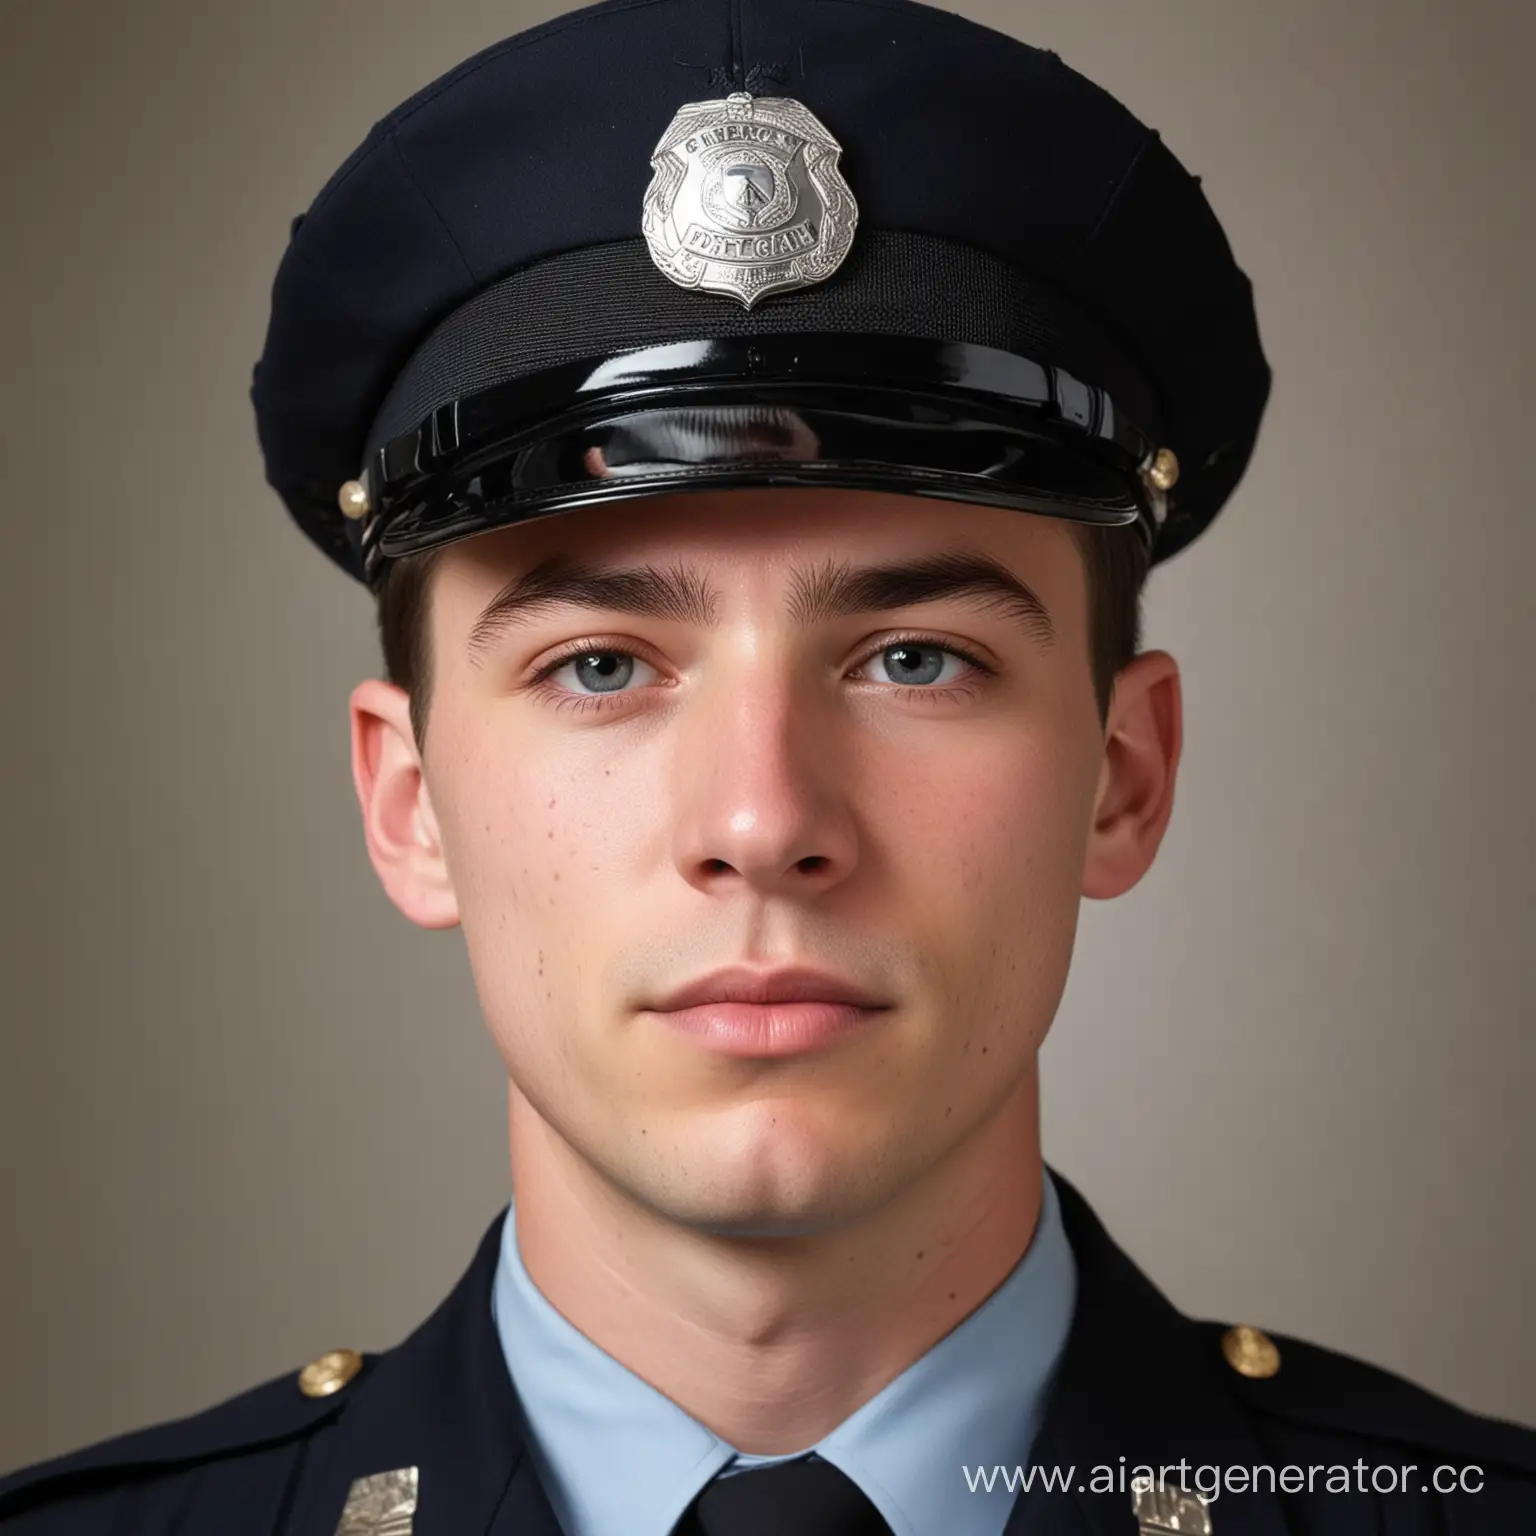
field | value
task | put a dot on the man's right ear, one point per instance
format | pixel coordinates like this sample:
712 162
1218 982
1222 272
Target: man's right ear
398 821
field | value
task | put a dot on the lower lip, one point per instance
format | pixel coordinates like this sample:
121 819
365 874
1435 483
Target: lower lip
768 1029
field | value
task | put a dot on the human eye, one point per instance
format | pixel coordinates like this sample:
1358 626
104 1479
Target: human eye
914 671
608 668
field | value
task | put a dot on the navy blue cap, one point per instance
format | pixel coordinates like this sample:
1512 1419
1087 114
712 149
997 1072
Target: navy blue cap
489 230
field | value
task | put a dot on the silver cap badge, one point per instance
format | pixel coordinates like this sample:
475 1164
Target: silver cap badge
747 198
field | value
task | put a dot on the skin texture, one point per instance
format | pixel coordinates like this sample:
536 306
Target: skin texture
768 1241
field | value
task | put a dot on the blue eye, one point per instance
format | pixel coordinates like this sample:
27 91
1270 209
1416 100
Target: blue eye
603 671
915 662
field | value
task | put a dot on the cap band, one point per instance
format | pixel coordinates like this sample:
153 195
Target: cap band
598 301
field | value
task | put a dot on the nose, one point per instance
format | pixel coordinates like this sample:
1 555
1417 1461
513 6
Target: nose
766 789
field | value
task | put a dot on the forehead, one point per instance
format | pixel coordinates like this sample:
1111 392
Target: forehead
755 542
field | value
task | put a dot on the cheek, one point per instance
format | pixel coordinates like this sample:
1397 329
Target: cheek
541 841
528 824
1007 817
992 853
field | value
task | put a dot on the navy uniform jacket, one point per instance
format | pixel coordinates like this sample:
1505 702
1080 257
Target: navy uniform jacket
1137 1380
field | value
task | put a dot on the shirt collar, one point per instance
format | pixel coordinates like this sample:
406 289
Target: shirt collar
616 1454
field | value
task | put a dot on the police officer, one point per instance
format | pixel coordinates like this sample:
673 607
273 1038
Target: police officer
755 279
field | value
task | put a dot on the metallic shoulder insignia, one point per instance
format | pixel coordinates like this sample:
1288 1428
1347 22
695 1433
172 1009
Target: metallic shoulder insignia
381 1505
1168 1511
747 199
330 1372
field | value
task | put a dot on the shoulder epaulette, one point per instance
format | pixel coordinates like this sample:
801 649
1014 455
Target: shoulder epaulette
1289 1379
279 1410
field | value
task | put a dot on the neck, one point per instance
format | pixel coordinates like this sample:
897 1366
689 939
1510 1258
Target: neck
772 1343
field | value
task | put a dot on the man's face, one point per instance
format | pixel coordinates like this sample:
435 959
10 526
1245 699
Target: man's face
767 781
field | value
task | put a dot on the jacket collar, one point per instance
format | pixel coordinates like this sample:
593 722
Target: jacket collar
1138 1384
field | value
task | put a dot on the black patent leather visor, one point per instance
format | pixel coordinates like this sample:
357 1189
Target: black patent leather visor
953 421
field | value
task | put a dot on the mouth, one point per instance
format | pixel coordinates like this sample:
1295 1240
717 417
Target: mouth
738 1011
768 1029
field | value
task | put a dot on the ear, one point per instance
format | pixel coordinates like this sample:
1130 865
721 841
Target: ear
398 821
1143 736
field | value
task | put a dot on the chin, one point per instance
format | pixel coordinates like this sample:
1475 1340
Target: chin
827 1211
783 1227
783 1181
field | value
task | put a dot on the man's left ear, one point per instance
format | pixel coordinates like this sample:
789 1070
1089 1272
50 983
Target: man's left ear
1143 736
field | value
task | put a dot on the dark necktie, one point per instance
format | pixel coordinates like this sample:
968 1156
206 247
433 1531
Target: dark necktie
793 1498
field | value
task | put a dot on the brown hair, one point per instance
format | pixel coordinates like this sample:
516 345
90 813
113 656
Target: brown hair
1114 560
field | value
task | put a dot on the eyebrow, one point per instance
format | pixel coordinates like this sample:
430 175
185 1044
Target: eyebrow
829 591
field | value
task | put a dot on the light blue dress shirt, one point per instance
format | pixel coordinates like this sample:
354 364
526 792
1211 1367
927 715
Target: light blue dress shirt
619 1458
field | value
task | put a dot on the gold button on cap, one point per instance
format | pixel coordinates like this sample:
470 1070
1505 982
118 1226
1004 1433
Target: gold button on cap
1164 473
1250 1352
352 498
330 1373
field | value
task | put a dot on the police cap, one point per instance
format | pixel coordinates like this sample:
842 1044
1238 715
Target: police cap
655 245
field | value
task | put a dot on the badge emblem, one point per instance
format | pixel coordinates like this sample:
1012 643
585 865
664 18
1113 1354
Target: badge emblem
1168 1511
381 1505
747 199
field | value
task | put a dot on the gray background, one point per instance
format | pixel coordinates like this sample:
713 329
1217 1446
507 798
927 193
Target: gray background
248 1113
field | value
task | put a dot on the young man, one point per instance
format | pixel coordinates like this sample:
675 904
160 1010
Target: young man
756 421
